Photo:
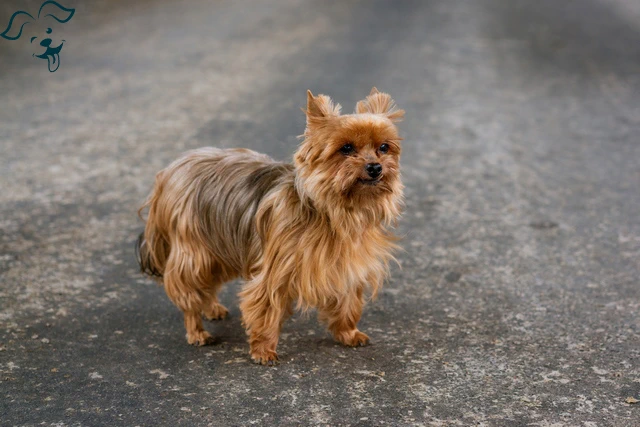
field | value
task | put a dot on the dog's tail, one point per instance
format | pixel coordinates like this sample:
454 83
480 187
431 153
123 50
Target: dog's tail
152 247
145 259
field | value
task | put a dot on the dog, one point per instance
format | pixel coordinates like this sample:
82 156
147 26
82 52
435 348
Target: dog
313 234
21 19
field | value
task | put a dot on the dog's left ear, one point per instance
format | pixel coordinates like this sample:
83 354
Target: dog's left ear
56 11
380 103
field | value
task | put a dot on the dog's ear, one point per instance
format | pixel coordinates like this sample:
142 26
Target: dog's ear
17 21
56 11
380 103
320 108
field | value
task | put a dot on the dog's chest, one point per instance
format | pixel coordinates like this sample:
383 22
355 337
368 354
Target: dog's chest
356 262
331 267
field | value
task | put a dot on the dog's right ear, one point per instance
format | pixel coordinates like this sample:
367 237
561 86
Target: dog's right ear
17 21
320 108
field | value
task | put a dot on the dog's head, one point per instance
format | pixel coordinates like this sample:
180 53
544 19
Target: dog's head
351 162
40 30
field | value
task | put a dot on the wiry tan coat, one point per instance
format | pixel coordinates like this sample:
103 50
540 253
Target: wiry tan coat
311 234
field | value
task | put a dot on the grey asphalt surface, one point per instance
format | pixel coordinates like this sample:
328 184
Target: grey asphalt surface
517 299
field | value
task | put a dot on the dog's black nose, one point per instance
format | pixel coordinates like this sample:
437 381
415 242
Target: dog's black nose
45 42
373 169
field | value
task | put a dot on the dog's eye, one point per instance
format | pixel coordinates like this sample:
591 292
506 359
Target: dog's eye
384 148
347 149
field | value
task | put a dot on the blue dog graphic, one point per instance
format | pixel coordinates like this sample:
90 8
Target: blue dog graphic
20 19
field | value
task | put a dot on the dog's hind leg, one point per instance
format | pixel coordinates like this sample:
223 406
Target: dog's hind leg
212 309
187 282
196 335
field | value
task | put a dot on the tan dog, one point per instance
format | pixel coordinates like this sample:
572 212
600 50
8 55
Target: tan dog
314 233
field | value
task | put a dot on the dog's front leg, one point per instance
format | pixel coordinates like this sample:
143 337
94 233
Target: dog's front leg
264 308
342 314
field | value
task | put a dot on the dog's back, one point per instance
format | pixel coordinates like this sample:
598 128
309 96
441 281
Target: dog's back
207 192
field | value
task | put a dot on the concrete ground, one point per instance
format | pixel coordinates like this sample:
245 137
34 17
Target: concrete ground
517 299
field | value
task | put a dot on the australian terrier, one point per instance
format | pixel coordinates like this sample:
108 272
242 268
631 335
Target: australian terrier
315 233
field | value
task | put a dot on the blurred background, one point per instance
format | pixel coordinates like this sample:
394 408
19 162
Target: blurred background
516 299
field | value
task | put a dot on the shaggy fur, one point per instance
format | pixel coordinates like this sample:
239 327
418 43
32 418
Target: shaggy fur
310 234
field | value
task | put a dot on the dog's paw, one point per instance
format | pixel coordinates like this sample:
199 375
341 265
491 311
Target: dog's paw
265 357
353 338
199 338
216 312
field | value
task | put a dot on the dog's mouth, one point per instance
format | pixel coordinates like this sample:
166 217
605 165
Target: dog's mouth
370 182
52 55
